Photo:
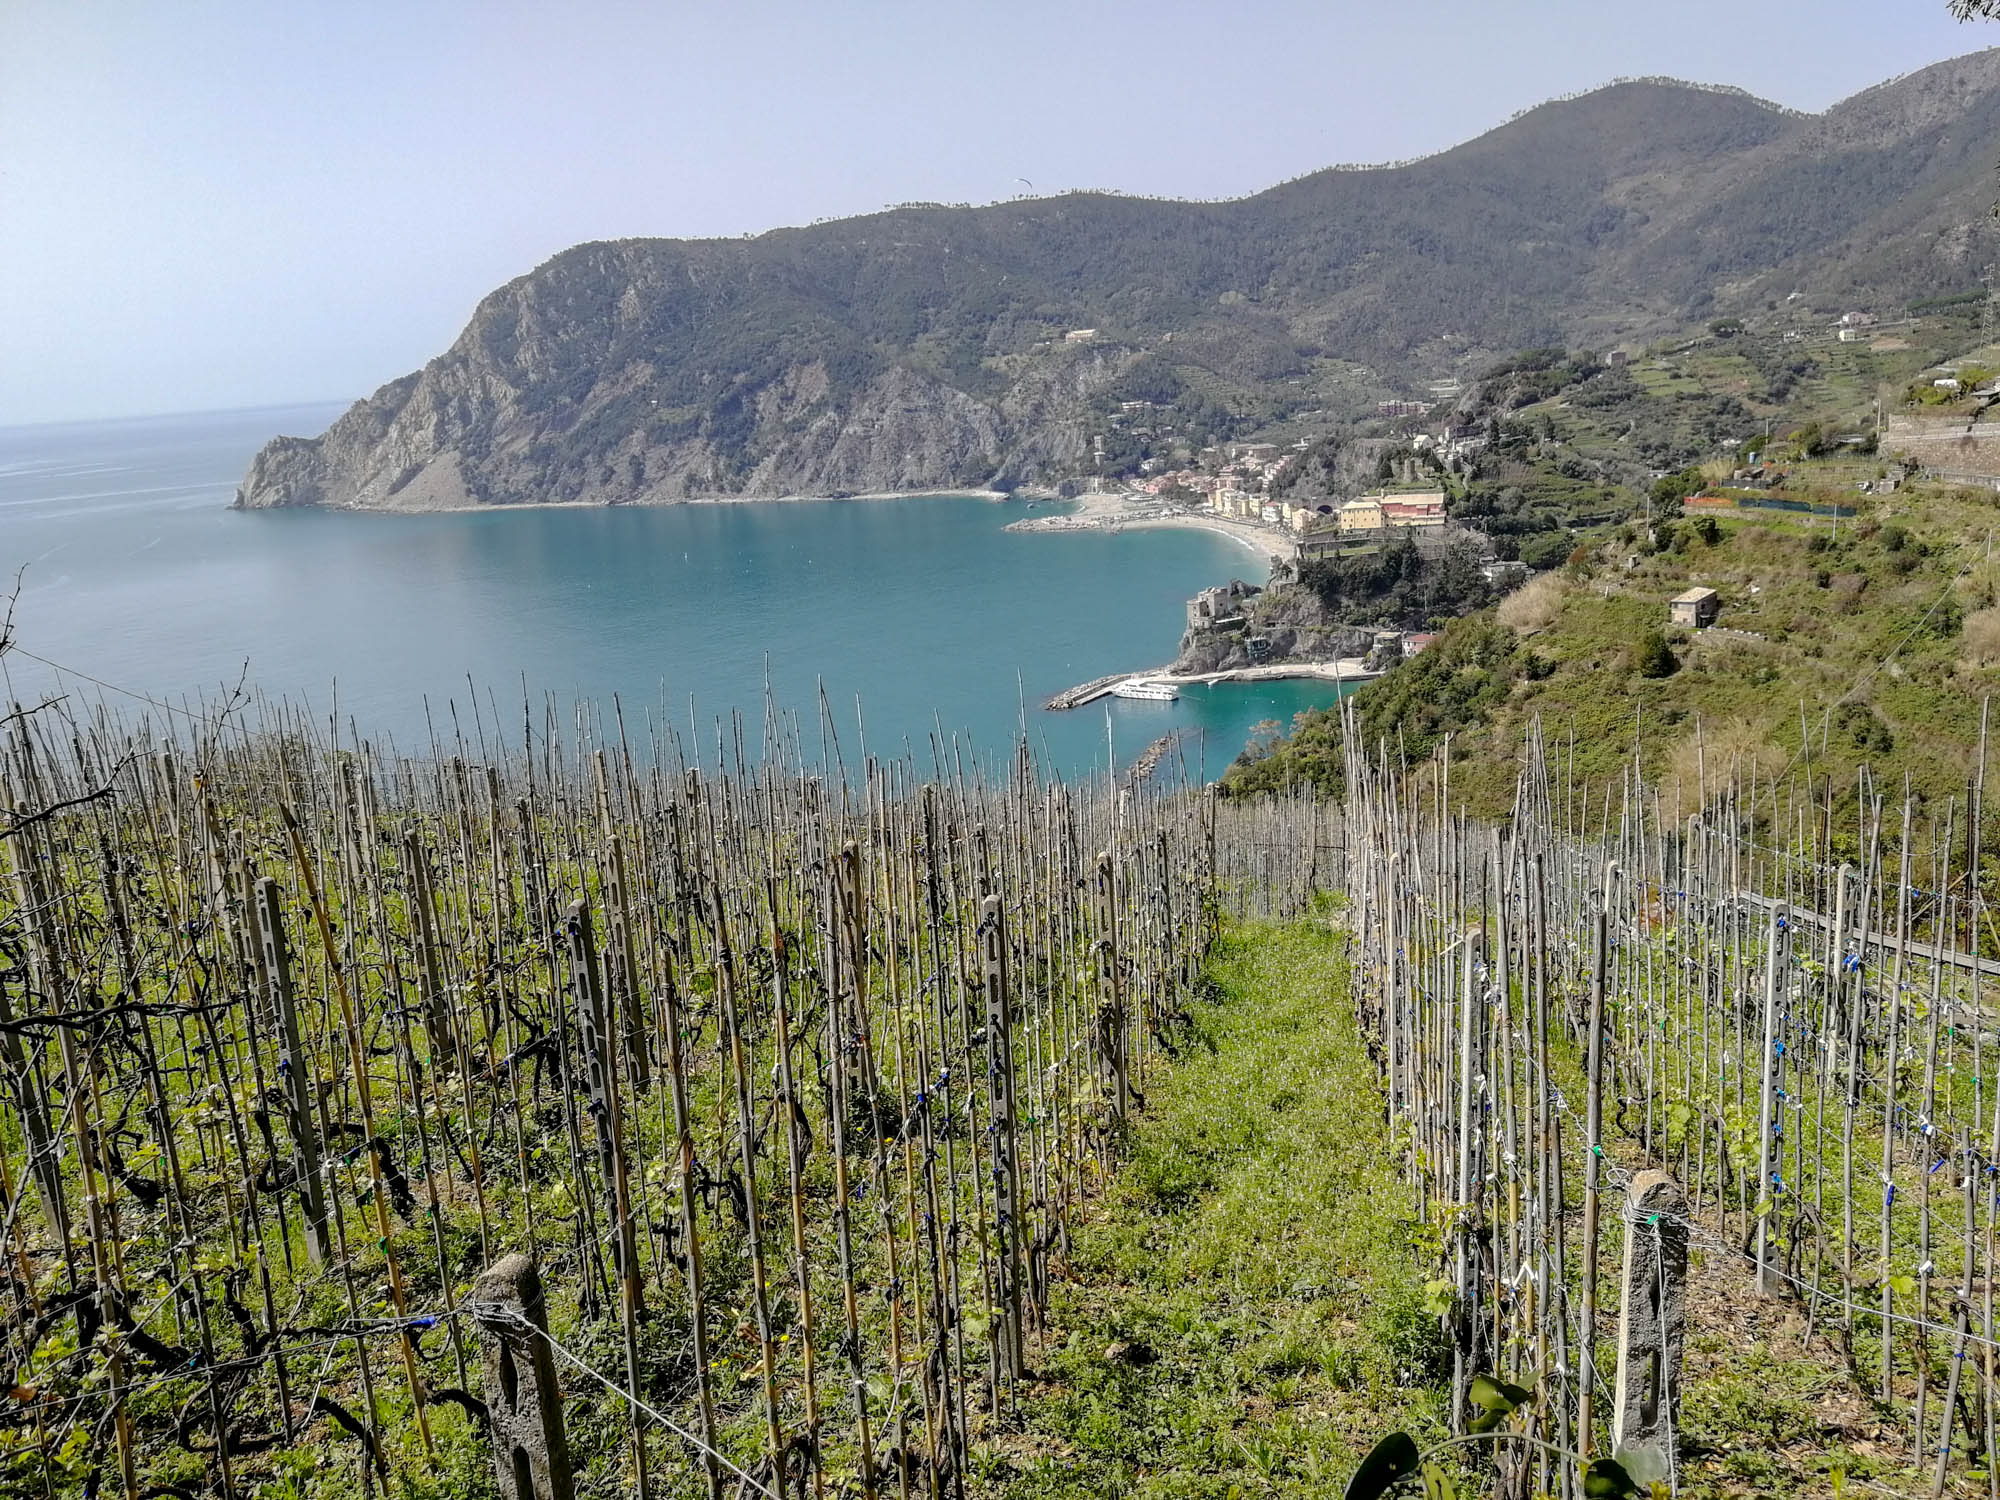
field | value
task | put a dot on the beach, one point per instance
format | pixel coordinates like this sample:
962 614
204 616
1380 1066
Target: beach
1124 512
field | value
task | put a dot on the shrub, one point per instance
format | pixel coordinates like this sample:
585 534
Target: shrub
1714 753
1653 657
1981 638
1863 728
1534 605
1668 492
1847 590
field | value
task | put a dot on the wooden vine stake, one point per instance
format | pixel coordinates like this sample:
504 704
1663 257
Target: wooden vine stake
1006 1167
1593 1169
1110 992
30 1102
293 1072
601 1084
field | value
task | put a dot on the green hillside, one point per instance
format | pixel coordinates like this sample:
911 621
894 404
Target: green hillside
1872 640
945 345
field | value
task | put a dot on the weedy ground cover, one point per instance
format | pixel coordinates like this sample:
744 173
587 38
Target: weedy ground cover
1250 1307
1254 1302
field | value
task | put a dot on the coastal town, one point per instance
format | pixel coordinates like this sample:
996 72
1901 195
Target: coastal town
1235 499
1281 528
1306 815
1372 536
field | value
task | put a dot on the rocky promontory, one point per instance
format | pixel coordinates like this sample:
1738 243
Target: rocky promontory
577 385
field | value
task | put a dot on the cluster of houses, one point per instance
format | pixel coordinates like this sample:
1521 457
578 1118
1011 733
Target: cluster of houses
1246 468
1238 488
1368 514
1457 444
1379 512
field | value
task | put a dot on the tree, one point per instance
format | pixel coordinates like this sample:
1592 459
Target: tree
1653 657
1548 550
1671 489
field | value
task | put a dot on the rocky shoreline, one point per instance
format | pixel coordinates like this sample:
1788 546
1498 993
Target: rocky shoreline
648 502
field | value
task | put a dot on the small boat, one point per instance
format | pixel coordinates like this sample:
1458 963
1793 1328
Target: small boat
1152 692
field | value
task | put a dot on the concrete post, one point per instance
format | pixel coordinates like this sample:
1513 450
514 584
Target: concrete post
530 1451
1652 1318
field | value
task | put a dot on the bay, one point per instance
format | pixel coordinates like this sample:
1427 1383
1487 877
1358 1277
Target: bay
910 615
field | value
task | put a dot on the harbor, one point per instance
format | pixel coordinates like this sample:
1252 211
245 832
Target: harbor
1148 685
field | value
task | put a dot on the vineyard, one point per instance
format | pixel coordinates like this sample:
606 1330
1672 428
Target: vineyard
1616 1029
610 1114
771 1095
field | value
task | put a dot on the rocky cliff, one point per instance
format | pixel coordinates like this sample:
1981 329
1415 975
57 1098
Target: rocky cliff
1288 622
560 391
931 346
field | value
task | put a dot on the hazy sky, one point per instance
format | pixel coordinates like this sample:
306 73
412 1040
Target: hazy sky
210 204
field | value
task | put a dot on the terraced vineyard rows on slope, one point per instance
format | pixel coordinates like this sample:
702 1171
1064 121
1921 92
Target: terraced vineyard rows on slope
792 1086
891 1134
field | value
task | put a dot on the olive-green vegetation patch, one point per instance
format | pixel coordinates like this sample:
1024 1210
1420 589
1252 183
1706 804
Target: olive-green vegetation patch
1248 1311
1867 636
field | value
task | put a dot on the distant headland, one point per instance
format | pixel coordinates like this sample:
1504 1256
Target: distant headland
1037 342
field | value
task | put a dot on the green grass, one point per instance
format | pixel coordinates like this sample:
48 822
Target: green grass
1248 1309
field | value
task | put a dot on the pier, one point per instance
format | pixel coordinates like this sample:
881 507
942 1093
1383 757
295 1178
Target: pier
1350 671
1085 692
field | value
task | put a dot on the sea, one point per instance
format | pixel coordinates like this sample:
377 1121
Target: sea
882 626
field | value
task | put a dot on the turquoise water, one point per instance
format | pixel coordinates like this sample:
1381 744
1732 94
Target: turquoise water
923 612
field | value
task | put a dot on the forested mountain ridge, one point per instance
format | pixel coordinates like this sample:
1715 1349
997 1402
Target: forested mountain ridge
925 346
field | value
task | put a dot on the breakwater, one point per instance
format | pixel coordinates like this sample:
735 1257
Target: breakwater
1084 692
1150 758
